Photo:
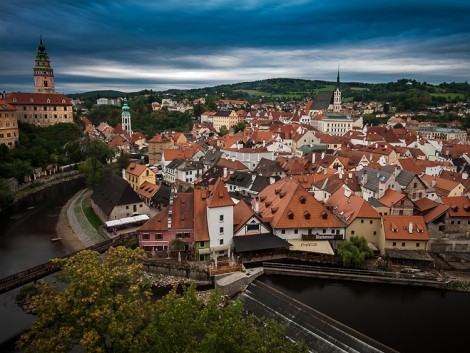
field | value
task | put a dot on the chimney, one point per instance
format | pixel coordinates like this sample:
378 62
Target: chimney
313 158
225 173
433 183
322 155
257 205
464 176
410 227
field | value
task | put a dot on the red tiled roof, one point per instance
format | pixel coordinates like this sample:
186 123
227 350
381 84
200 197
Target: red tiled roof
38 99
459 205
398 228
201 232
287 205
183 211
219 196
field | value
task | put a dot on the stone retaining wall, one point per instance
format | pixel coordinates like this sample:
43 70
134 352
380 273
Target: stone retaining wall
178 271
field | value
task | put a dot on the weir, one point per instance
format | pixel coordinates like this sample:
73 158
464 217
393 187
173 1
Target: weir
320 332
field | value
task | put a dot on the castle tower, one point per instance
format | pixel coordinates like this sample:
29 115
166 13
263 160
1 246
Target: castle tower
337 96
126 118
43 73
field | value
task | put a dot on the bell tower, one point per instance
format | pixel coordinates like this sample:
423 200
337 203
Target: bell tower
126 118
43 73
337 96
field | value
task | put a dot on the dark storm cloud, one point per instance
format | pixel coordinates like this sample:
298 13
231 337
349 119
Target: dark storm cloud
162 44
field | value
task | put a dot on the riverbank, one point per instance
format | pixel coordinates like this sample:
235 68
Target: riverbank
65 232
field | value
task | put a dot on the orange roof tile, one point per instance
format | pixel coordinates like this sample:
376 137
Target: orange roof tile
183 211
201 231
348 206
398 228
459 205
391 197
219 196
287 205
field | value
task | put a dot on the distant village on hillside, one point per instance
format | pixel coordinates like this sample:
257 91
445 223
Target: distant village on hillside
298 179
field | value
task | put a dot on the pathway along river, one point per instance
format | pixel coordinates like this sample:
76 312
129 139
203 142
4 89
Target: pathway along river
405 318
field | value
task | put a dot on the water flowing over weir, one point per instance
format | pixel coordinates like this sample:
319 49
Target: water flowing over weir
320 332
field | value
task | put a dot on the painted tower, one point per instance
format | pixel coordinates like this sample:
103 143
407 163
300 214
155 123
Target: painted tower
337 96
43 73
126 118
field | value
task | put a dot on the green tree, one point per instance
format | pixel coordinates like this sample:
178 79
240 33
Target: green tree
123 160
106 306
103 307
239 127
223 130
98 153
353 252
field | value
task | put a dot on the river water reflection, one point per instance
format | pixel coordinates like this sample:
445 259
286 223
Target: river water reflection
408 319
25 241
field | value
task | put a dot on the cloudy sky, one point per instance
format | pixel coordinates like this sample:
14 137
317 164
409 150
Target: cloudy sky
130 45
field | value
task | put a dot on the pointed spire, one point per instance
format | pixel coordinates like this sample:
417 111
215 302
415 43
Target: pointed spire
337 79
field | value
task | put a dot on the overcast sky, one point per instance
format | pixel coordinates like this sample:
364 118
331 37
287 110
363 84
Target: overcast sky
130 45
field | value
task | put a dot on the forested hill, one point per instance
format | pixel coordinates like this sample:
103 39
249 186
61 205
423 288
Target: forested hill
404 91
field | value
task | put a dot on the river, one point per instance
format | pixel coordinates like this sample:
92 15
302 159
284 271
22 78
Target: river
25 241
408 319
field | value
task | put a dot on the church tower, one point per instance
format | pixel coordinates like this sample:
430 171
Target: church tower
43 73
337 96
126 118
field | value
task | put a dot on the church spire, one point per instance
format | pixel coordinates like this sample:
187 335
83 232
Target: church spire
337 79
337 96
43 72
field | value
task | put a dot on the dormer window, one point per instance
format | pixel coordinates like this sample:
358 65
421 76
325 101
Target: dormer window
290 215
31 100
302 200
307 215
324 215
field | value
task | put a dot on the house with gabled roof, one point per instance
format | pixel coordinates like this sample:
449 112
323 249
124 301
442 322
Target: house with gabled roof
397 203
136 174
443 187
407 182
147 191
458 216
269 168
403 233
360 217
252 236
293 213
214 226
323 188
156 145
374 182
175 221
248 156
113 198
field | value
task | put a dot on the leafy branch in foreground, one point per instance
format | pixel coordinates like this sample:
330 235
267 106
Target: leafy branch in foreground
106 306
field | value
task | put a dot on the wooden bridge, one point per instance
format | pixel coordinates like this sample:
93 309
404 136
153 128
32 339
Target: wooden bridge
34 273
